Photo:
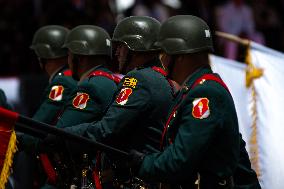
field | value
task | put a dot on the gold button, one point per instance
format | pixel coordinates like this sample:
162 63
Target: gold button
202 81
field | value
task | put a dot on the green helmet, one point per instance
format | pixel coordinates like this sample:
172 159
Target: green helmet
48 40
139 33
88 40
184 34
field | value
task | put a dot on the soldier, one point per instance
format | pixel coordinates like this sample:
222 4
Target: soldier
89 55
136 117
47 44
201 136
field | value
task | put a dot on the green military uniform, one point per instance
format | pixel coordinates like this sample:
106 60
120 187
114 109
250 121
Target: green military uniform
85 104
47 44
55 96
97 86
95 90
201 135
135 119
203 130
136 116
96 93
3 100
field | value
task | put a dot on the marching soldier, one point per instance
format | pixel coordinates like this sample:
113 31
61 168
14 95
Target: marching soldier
201 136
136 117
47 44
89 55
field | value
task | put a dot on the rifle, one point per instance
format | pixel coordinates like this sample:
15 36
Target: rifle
40 130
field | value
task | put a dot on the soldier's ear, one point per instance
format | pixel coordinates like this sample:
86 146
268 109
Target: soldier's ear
165 60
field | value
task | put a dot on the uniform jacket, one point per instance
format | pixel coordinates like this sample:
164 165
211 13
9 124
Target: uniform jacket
89 100
55 96
136 116
201 135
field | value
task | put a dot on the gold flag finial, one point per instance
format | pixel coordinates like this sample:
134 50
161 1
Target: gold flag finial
252 72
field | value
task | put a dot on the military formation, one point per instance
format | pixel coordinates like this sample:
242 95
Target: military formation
162 104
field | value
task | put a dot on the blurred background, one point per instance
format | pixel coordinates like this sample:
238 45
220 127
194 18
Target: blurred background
22 79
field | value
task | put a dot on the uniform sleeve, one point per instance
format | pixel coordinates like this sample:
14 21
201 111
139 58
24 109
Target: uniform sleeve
196 131
131 103
245 176
55 96
88 103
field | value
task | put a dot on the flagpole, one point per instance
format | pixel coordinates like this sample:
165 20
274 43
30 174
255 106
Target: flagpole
233 38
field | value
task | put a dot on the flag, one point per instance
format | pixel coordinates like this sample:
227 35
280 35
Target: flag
270 123
233 73
8 148
258 93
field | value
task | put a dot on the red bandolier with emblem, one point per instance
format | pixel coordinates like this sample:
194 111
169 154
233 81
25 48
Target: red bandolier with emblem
46 163
198 111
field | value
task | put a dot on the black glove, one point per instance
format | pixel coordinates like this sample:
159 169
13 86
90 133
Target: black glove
51 143
135 160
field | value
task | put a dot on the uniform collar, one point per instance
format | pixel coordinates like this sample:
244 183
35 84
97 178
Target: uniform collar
57 72
190 80
86 74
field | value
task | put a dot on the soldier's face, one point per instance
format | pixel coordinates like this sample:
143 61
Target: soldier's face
121 54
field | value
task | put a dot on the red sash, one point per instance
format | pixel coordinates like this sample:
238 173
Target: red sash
112 77
48 168
210 77
160 70
96 172
67 73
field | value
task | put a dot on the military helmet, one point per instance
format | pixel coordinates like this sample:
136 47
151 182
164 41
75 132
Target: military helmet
88 40
184 34
48 40
139 33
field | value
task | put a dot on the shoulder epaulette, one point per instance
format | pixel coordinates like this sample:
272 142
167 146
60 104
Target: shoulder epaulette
112 77
67 73
210 77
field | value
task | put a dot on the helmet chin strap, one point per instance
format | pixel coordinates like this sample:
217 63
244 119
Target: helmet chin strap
75 61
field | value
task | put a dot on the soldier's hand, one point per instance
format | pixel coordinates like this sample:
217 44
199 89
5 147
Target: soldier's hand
135 160
51 143
26 142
